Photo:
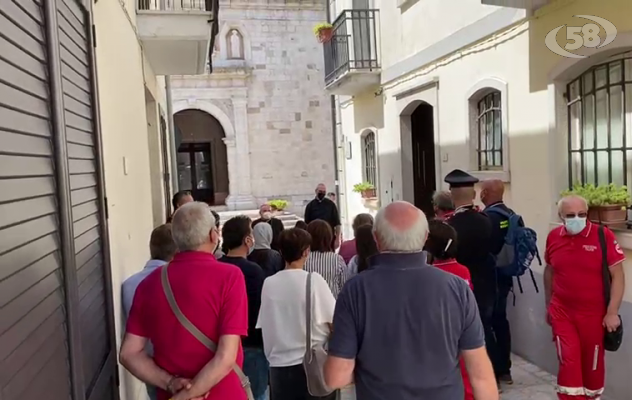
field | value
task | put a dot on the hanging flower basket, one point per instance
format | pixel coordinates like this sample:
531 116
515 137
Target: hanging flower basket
324 32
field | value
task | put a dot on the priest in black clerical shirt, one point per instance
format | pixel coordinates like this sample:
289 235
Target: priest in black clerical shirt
323 208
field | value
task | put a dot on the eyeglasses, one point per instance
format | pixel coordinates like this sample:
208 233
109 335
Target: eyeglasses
581 214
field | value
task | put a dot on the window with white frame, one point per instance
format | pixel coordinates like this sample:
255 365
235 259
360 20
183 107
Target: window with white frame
489 132
599 105
369 158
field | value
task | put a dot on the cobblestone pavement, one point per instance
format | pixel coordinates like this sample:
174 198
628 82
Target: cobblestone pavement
530 383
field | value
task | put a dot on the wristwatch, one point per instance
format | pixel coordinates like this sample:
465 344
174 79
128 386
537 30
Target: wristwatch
170 384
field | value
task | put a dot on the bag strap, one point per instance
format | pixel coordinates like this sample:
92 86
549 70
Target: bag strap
308 314
604 265
193 330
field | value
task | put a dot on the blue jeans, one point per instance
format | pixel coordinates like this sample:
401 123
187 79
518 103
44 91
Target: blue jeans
256 368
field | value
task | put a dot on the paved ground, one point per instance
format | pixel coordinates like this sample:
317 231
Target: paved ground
530 383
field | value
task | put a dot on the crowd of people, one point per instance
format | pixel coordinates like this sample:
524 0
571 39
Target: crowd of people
411 307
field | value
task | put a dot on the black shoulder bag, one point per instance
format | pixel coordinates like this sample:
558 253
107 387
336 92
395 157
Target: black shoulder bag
612 340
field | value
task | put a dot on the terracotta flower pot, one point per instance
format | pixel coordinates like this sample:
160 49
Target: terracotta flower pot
368 194
325 35
608 215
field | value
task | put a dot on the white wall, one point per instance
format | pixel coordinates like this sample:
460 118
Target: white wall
123 77
535 80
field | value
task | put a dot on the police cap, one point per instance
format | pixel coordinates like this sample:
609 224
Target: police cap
458 178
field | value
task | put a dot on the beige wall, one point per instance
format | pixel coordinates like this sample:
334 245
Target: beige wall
122 74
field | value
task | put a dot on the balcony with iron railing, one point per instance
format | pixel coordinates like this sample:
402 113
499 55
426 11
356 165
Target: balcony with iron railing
177 35
352 60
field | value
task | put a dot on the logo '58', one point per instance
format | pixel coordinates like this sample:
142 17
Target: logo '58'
581 36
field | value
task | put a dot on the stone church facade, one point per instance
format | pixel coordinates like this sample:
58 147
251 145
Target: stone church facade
259 127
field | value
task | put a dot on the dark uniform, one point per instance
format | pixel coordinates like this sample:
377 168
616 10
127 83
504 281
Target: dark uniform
500 323
474 242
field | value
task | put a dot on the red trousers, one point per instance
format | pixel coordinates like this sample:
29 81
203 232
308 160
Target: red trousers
469 394
578 339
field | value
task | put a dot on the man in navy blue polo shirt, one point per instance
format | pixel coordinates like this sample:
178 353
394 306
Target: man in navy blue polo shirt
401 326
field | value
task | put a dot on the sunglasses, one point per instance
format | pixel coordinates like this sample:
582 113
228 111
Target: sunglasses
576 215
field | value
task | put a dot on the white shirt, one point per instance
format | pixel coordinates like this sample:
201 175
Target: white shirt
282 315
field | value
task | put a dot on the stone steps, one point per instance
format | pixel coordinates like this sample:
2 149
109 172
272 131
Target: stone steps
289 219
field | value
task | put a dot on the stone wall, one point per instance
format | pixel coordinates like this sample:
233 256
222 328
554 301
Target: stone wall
267 53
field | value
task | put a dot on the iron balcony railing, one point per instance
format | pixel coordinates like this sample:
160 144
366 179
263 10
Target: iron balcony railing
176 5
353 45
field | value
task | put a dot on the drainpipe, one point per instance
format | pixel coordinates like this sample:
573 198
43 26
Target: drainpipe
172 136
334 134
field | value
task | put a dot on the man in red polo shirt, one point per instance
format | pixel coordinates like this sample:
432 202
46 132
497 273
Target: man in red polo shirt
212 295
575 300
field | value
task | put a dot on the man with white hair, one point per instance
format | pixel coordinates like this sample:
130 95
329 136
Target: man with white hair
401 326
211 295
577 308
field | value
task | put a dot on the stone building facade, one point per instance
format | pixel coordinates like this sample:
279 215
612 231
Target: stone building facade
265 93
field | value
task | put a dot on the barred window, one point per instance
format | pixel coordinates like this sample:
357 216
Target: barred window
599 131
489 146
369 159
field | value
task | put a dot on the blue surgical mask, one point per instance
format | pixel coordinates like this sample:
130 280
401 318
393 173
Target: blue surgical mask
575 225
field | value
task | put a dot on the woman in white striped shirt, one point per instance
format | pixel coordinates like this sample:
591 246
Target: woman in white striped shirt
322 258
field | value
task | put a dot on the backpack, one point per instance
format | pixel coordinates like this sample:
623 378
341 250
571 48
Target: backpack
519 250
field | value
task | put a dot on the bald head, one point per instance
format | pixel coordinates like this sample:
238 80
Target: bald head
401 227
572 206
492 191
321 191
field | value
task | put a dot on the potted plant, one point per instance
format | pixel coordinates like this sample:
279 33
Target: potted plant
324 32
278 204
366 190
607 204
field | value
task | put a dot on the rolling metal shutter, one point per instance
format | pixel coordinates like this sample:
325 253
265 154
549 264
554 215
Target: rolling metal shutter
56 324
33 340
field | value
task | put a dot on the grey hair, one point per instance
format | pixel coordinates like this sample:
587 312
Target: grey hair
443 201
562 202
191 226
396 240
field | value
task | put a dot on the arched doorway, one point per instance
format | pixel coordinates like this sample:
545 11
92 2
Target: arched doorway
423 156
202 158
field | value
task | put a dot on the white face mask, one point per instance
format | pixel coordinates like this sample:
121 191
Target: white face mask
252 247
266 215
575 225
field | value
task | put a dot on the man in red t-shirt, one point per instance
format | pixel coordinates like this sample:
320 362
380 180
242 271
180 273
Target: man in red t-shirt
575 300
212 295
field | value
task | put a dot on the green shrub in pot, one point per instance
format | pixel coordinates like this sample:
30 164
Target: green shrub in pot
602 195
278 204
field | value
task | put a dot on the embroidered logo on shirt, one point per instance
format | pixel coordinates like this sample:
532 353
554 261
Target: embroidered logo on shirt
589 247
617 248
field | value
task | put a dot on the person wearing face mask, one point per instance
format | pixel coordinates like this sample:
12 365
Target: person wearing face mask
323 208
265 214
492 192
239 242
575 301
